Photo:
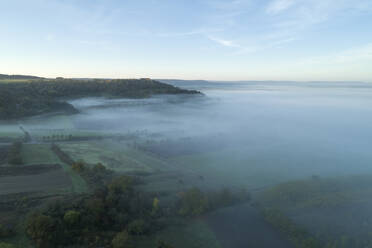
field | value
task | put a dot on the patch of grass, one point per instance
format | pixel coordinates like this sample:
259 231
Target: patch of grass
78 183
38 154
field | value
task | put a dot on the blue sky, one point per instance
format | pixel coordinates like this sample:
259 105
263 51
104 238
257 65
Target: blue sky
188 39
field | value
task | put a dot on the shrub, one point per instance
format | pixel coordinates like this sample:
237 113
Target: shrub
94 205
71 217
79 167
99 168
138 227
121 184
122 240
193 202
40 228
155 206
163 244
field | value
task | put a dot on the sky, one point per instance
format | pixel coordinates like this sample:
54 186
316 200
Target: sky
297 40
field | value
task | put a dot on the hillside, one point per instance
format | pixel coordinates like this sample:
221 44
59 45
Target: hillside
33 97
17 77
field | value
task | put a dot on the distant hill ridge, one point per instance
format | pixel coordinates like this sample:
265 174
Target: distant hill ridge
14 77
38 96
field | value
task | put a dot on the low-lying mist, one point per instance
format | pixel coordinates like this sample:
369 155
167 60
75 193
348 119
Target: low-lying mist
252 134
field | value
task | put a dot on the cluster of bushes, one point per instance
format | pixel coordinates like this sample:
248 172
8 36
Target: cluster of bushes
14 154
116 214
95 175
110 217
195 202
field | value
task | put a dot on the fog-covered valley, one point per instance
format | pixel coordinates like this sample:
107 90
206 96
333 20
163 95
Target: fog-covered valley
268 131
301 150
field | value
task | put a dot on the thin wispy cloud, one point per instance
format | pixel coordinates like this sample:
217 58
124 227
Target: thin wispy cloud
50 37
225 43
278 6
200 31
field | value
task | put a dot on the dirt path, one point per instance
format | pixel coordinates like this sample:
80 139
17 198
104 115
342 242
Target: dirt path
243 227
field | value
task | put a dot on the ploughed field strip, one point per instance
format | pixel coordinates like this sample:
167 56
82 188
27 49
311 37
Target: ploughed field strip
33 179
40 170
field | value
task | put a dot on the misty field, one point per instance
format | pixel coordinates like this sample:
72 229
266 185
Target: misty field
299 151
